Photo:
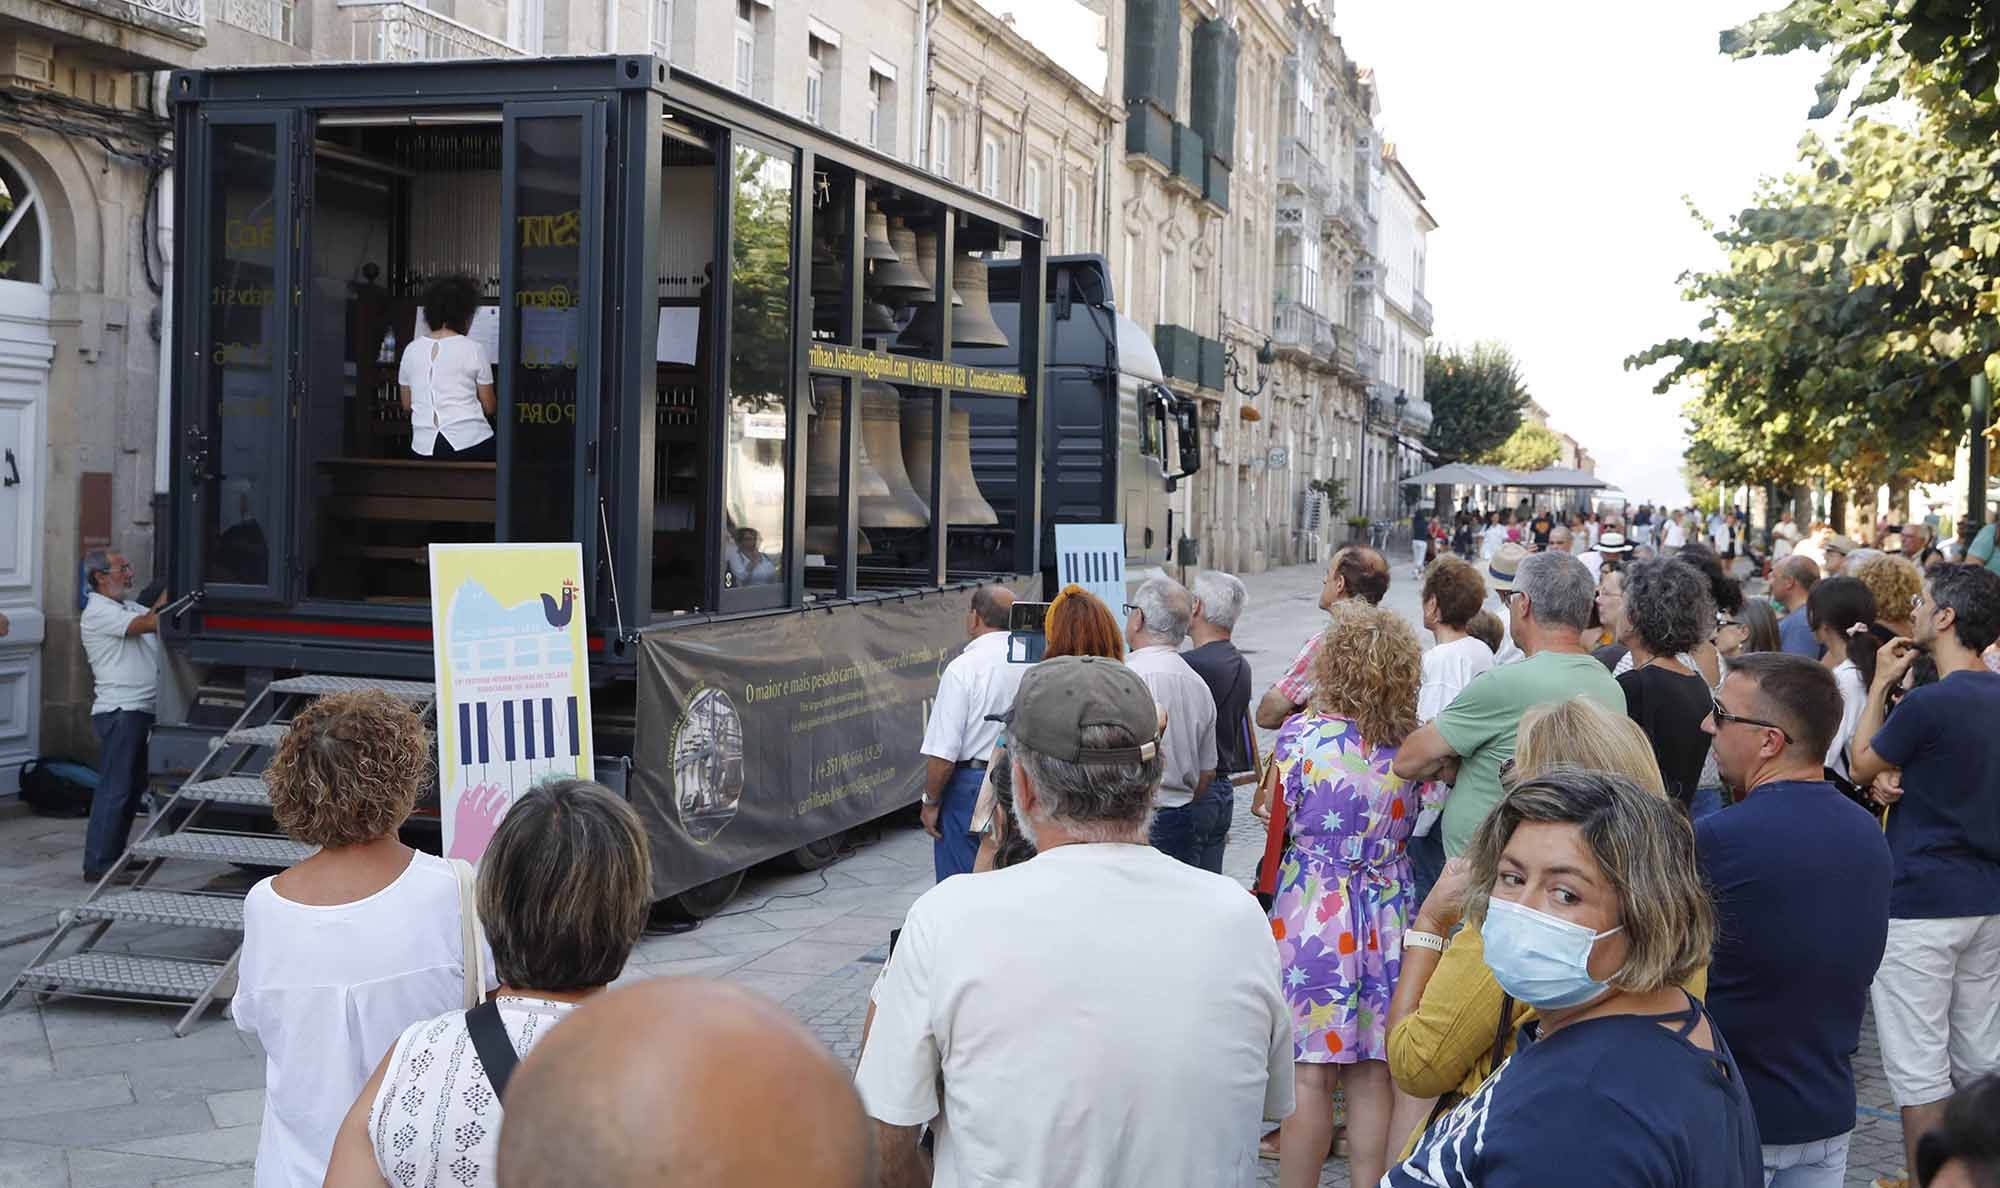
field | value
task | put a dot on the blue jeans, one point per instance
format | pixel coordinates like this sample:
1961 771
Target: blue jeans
956 845
1212 816
1426 864
1706 801
1174 832
1821 1164
121 785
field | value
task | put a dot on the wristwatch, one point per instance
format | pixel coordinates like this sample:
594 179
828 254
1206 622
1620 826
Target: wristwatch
929 803
1423 940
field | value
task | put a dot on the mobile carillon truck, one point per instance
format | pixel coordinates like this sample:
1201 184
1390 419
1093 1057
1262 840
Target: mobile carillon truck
752 369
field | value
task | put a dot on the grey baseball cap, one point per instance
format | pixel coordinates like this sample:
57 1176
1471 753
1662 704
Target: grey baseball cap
1058 698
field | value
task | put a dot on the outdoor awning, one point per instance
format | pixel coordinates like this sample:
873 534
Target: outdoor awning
1463 474
1561 478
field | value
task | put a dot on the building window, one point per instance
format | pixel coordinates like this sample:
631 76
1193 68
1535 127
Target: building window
1072 233
940 146
1160 289
746 45
989 166
1031 187
875 85
663 30
1132 271
816 54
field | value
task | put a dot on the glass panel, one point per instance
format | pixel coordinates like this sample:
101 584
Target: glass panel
549 302
21 249
682 404
242 471
760 368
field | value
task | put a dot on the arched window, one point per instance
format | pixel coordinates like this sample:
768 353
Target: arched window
21 239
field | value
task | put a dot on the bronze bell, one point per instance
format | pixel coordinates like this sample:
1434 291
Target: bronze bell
921 332
973 326
882 438
877 318
899 280
963 503
823 473
875 241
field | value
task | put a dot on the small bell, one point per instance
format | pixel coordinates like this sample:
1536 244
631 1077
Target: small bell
973 326
875 243
900 281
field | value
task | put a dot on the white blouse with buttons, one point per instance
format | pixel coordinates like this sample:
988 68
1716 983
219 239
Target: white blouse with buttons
444 376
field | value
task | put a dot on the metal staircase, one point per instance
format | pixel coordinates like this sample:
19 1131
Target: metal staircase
227 777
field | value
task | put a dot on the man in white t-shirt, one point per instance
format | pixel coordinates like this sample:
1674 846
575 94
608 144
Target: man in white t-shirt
121 639
1101 1015
978 684
1675 538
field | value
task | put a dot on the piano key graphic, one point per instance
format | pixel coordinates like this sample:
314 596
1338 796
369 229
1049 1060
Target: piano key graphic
528 730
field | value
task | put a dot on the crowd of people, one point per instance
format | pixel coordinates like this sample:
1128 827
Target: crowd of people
1611 881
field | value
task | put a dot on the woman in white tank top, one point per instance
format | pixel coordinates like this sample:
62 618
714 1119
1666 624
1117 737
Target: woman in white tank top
564 889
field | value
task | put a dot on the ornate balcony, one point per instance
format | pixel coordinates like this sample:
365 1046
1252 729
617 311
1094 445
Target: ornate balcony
1420 309
275 19
1296 328
1299 169
392 31
133 34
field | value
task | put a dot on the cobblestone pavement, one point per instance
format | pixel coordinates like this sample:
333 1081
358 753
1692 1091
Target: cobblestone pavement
97 1095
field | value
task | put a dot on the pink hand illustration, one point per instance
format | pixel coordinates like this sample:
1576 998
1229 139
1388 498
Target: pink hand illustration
480 808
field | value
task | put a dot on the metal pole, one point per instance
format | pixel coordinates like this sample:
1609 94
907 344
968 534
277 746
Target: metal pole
1982 416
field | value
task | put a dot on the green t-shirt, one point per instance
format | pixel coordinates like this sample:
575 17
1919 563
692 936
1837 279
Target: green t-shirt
1479 725
1981 550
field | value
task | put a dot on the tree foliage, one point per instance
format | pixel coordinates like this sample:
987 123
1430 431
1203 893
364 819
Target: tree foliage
1858 295
1476 398
1529 447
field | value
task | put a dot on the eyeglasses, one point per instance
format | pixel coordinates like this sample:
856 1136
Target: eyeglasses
1723 716
1507 769
1916 601
1132 610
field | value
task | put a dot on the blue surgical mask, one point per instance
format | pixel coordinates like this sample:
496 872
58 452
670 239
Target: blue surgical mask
1540 959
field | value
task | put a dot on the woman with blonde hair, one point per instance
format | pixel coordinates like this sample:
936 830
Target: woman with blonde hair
1594 912
1343 893
356 942
1895 582
1450 1022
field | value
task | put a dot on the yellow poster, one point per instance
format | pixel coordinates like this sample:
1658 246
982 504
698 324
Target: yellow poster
513 680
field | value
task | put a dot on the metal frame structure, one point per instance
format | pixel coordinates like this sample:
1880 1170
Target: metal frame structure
624 103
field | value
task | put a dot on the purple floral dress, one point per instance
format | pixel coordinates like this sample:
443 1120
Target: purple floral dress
1344 889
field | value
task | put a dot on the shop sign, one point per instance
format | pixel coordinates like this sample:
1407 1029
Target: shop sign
922 373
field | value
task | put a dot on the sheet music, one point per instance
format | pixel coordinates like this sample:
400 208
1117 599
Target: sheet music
680 326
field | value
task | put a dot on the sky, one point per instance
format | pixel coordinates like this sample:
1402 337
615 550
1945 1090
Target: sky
1554 140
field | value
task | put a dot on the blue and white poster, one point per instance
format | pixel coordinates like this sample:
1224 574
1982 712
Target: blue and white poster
1093 556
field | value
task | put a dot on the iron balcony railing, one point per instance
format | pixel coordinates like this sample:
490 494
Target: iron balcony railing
188 14
392 31
1302 329
1420 309
275 19
1300 169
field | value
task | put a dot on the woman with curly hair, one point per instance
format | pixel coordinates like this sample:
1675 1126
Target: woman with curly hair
1666 611
356 942
1895 582
1344 895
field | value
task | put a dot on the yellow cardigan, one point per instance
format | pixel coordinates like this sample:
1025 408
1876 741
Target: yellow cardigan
1447 1043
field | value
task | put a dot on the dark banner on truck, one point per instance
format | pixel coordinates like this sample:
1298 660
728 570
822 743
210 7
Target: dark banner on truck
760 735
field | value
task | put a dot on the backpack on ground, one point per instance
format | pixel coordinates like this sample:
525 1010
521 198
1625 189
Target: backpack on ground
57 787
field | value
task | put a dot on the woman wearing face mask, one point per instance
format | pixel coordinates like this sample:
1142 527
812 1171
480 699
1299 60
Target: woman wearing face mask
1593 911
1448 1012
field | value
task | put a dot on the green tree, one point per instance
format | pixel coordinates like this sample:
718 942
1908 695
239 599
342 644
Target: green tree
1529 447
1476 397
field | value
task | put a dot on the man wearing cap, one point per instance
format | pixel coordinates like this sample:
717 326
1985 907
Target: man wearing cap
1102 1015
1156 622
1499 571
960 735
1549 602
1837 549
1356 571
1792 580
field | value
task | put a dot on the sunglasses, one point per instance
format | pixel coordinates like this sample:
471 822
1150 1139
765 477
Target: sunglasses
1723 716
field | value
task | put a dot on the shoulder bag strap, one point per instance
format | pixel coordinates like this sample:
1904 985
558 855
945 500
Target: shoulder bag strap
1505 1029
496 1051
471 954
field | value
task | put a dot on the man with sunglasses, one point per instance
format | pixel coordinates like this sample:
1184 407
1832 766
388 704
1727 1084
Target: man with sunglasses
1801 883
1937 996
121 640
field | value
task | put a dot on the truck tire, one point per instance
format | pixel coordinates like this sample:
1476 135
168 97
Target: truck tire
814 855
699 903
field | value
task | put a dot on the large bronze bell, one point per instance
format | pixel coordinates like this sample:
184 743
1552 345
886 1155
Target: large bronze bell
900 281
882 438
875 237
963 504
823 473
921 332
973 326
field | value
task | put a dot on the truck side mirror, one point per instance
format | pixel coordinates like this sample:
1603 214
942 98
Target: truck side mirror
1187 426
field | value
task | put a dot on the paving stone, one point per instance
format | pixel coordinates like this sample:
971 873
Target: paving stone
209 1043
239 1177
198 1080
92 1168
237 1107
76 1093
807 957
108 1127
779 987
232 1144
694 967
84 1024
756 943
31 1165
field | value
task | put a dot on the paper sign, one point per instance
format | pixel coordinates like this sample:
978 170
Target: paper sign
485 329
511 659
679 327
1093 556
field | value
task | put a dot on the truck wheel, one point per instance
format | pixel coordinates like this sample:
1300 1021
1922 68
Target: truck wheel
699 903
814 855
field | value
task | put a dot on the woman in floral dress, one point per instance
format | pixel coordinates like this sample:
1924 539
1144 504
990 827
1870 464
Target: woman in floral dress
1344 889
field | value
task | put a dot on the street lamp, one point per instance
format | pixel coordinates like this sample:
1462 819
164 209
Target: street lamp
1233 368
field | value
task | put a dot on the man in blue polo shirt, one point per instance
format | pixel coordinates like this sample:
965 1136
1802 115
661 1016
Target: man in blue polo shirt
1937 996
1801 880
